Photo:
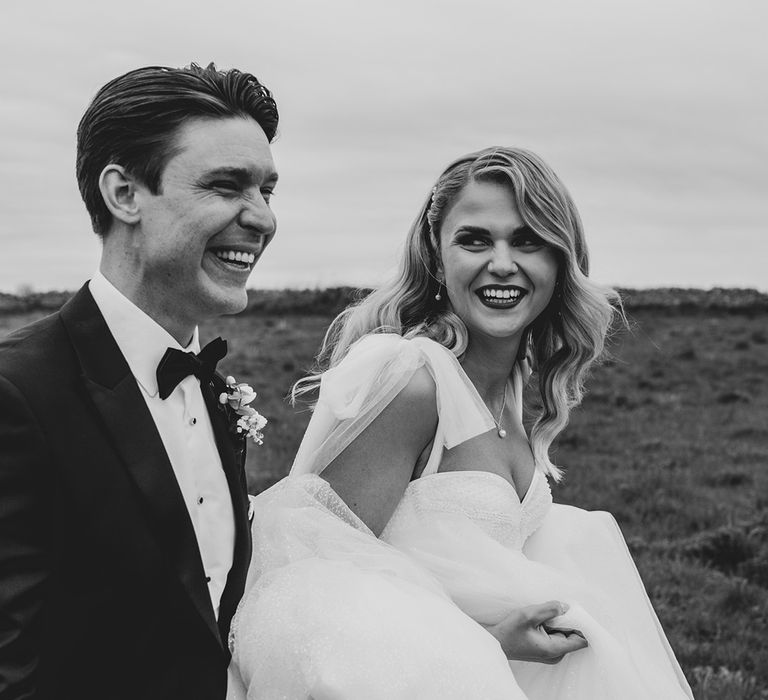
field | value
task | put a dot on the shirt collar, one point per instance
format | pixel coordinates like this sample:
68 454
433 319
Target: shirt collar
140 338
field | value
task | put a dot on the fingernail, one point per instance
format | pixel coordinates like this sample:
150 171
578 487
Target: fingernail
563 608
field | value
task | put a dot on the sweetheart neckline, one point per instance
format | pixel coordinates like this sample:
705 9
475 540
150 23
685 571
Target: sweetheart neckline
484 471
514 382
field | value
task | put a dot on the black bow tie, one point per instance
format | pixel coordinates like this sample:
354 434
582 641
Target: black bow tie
177 364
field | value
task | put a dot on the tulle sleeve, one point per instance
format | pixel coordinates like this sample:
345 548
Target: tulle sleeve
374 371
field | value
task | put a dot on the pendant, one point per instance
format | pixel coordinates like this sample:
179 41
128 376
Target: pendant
502 433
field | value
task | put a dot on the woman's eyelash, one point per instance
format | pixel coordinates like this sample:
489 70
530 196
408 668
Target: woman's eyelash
520 239
471 239
529 238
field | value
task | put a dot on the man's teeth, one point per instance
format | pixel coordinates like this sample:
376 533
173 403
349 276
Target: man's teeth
502 294
236 256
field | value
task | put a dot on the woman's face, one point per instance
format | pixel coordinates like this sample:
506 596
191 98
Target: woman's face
499 275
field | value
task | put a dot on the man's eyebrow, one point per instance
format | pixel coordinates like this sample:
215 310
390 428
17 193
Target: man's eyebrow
240 174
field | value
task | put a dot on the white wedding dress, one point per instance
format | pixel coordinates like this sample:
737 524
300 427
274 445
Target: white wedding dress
333 613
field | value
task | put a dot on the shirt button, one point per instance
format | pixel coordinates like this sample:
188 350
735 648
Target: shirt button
207 579
192 421
200 501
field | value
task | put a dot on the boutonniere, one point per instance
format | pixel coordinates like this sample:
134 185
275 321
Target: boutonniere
244 420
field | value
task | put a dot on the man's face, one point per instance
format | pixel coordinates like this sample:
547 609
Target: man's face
200 236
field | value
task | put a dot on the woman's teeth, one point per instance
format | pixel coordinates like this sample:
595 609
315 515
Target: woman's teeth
503 294
501 297
236 256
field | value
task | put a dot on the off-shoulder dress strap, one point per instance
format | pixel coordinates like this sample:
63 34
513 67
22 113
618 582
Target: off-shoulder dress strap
374 371
516 394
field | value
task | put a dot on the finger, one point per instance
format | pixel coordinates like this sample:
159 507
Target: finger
539 614
559 646
565 631
555 660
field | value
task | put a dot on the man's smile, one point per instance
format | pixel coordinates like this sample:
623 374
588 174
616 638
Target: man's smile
238 259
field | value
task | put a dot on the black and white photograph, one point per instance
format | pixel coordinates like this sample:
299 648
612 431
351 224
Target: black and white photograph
402 351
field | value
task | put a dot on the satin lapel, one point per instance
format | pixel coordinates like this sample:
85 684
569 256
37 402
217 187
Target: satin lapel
128 422
232 453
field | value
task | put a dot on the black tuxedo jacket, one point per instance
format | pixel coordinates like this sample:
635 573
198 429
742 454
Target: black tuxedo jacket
102 588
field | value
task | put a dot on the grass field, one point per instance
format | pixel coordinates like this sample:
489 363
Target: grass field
672 438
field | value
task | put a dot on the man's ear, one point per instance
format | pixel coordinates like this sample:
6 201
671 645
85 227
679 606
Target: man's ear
118 189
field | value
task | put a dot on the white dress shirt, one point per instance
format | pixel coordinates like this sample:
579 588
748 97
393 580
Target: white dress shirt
185 429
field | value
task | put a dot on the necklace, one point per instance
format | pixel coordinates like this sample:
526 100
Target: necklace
499 430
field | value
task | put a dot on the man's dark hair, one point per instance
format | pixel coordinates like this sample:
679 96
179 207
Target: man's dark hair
134 121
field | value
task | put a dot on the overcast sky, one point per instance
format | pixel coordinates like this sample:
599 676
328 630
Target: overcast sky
653 112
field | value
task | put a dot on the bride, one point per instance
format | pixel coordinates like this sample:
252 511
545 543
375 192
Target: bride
415 535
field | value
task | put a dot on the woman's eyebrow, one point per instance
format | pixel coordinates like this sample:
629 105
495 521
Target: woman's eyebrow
469 228
472 229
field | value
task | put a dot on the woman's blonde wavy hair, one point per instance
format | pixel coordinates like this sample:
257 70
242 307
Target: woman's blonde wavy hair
560 345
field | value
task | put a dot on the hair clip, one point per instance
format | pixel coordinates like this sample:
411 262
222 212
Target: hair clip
432 197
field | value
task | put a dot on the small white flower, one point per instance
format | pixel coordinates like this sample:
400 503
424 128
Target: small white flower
246 392
252 425
238 396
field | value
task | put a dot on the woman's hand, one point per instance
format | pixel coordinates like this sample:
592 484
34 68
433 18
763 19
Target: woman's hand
525 636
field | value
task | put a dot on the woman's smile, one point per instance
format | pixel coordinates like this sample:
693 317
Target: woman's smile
497 296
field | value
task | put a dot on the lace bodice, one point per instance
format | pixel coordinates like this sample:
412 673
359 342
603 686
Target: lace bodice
488 499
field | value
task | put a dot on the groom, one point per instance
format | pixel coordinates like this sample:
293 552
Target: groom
124 538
